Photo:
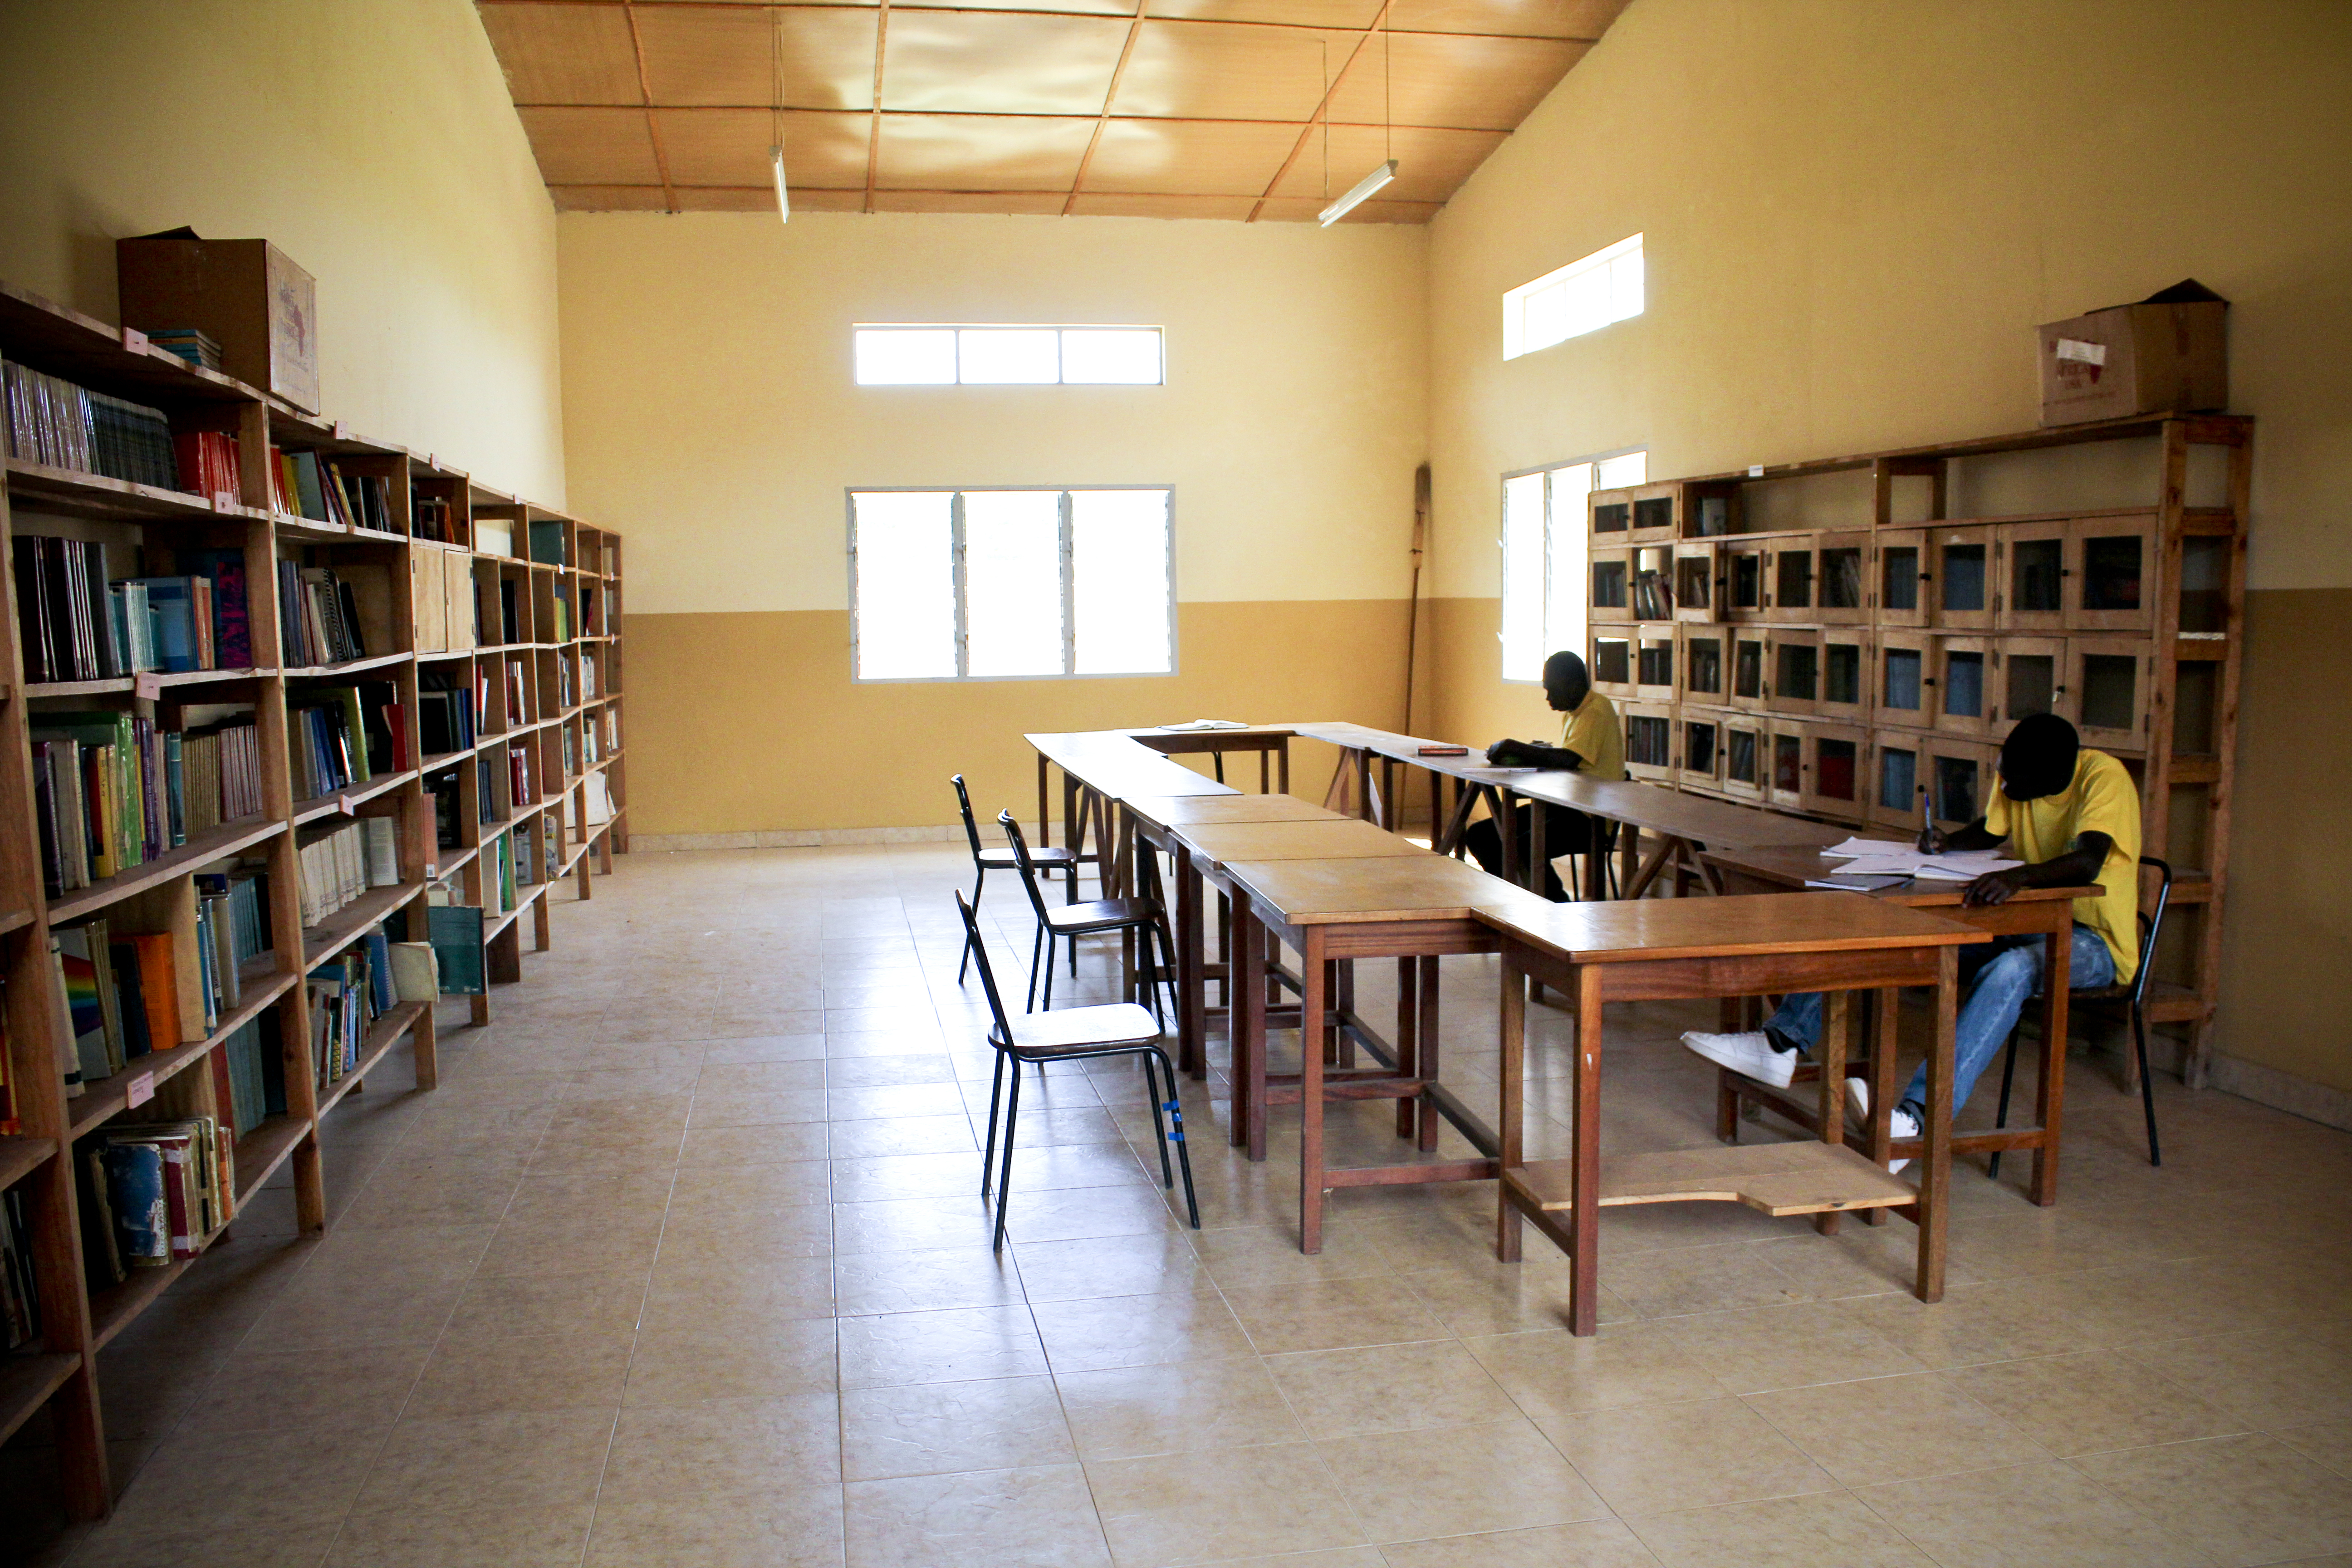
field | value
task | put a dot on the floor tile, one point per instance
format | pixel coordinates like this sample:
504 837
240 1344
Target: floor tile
1554 1372
954 1346
755 1359
1779 1533
796 1527
939 1429
1388 1388
2027 1516
662 1452
1332 1314
1453 1480
2090 1401
1040 1517
1649 1459
1127 1412
1222 1503
2243 1500
1600 1543
478 1538
515 1459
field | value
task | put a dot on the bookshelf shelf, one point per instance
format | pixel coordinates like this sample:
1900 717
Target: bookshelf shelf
215 843
418 588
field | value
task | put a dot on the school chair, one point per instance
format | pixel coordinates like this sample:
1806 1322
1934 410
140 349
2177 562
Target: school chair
1096 917
985 860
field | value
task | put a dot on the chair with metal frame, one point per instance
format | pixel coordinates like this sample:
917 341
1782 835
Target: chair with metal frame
985 860
1098 917
1073 1033
2133 996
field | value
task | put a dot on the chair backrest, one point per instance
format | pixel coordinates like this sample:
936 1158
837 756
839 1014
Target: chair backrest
1021 858
2151 924
1001 1037
970 829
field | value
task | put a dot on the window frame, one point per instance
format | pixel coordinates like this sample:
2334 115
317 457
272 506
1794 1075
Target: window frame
957 572
1160 334
1514 343
1545 567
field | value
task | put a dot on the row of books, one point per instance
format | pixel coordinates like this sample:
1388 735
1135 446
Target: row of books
340 864
431 519
53 422
78 622
319 614
448 718
20 1297
345 735
320 489
121 988
153 1194
255 1072
191 343
112 790
355 989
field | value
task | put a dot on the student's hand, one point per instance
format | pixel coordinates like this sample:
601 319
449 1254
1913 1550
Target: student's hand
1503 753
1993 888
1930 841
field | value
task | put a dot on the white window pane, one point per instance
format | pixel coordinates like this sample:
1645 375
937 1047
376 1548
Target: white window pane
1021 356
1110 356
1565 611
891 356
1546 321
1625 285
906 584
1119 581
1581 297
1616 473
1586 306
1523 578
1013 582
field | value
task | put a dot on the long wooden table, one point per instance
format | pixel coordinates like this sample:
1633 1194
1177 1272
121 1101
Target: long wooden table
1417 908
1661 949
2048 913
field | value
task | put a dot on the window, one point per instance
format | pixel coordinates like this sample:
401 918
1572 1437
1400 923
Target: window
1011 583
1008 356
1581 297
1544 591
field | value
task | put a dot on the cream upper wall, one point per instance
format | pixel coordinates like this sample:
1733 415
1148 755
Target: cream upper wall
1856 212
712 415
371 140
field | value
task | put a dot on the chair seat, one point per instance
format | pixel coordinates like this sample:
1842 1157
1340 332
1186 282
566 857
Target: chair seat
1003 860
1082 1029
1100 914
2100 993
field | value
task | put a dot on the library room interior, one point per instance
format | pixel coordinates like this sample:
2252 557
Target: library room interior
1062 783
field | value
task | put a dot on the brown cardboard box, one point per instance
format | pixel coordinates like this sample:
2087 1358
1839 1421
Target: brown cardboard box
256 303
2168 353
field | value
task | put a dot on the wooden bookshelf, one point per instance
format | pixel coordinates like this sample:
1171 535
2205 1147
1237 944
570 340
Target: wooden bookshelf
2127 620
501 582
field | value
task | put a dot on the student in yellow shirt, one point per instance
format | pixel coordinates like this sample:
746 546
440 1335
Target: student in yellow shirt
1591 741
2073 817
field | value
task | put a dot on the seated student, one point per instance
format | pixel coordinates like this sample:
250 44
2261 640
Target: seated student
1591 741
2072 816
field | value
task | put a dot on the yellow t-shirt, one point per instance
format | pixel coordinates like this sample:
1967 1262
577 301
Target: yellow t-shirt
2101 799
1591 732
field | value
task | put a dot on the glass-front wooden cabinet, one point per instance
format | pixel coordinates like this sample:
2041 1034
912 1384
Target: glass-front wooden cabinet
1963 698
1789 573
1960 778
1961 560
2110 677
1612 570
2032 558
1897 773
1901 690
1901 578
1705 666
1657 510
2114 562
1750 672
1654 582
1841 580
1611 660
1845 675
1653 661
1836 775
1743 593
2032 680
1700 763
1650 742
1697 581
1793 672
1744 758
1785 771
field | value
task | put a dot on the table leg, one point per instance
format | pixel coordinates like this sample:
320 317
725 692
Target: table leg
1425 1034
1311 999
1464 799
1045 824
1281 771
1584 1226
2050 1101
1505 805
1192 1015
1364 787
1936 1169
1638 883
1246 1020
1510 1111
1886 1020
1538 859
1836 1023
1408 1038
1340 991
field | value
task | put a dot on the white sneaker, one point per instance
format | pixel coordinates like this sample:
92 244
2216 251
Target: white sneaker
1900 1125
1750 1053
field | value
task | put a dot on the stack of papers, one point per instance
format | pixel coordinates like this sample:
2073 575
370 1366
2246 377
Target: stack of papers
1888 858
1205 724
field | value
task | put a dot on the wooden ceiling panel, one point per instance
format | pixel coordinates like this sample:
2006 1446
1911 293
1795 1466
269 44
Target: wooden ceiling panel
1016 202
724 55
1357 15
995 62
564 54
1121 8
592 146
608 198
1232 208
1586 19
1440 79
1188 157
1431 164
990 152
1219 70
729 146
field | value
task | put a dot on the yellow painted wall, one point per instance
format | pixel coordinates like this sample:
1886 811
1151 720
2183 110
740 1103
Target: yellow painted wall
1856 213
711 415
371 140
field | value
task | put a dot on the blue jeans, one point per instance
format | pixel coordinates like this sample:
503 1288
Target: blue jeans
2008 970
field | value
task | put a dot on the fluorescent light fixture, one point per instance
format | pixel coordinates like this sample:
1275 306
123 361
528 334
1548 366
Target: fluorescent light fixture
1364 188
783 201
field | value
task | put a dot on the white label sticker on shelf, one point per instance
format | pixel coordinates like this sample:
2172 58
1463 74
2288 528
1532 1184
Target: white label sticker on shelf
1755 470
2088 353
147 686
142 1090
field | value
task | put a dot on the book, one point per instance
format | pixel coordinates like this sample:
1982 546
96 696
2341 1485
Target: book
456 933
416 973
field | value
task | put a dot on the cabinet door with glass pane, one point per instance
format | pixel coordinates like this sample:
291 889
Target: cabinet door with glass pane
1837 782
1611 660
1650 742
2114 562
1960 559
1611 516
1654 582
1847 675
1750 669
1962 700
1897 773
1612 582
1960 778
1655 510
1792 679
1744 757
1901 579
2032 679
1704 667
2110 677
2032 558
1841 580
1789 573
1699 764
1786 768
1741 586
1902 692
1698 582
1654 647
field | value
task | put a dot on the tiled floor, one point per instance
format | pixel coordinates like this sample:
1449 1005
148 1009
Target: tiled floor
683 1263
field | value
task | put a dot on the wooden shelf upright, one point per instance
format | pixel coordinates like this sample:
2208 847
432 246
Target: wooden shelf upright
437 577
1837 669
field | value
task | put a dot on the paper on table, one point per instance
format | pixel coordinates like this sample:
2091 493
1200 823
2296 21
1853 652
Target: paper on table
1206 724
1850 884
1964 866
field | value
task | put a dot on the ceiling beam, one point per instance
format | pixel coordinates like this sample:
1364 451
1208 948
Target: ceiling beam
645 96
873 132
1322 108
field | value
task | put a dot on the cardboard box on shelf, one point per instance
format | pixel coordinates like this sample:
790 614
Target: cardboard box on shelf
246 293
2168 353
